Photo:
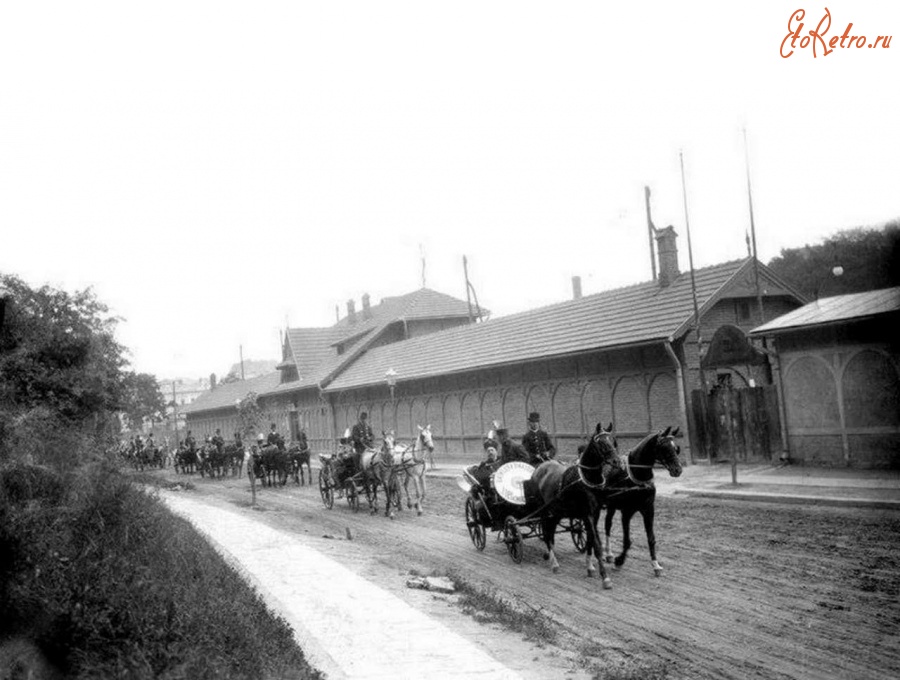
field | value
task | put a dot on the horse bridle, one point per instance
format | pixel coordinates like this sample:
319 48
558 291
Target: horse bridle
581 466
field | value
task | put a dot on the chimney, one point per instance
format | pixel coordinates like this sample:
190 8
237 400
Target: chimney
212 381
668 255
576 287
366 310
351 311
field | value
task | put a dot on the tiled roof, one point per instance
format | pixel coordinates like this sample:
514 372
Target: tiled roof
226 394
632 315
420 304
834 310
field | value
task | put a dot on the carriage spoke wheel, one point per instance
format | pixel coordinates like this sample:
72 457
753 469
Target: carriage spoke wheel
352 495
515 543
476 530
579 535
326 490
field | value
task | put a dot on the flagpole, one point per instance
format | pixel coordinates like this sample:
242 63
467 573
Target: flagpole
759 301
687 225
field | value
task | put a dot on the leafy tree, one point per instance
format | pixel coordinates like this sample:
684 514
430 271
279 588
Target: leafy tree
870 259
142 399
60 372
250 415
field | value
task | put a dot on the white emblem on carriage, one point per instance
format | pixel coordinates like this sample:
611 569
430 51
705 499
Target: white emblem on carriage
508 481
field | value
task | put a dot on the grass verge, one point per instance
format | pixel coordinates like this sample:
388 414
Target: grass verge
103 581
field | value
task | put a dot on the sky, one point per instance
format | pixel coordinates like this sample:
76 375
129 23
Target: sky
216 171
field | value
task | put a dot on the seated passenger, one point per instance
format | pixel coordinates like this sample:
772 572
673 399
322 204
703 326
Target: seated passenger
482 471
509 450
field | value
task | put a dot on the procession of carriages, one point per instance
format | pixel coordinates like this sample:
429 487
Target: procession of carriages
513 500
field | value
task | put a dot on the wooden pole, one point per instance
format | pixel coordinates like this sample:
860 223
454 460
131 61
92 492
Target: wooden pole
687 226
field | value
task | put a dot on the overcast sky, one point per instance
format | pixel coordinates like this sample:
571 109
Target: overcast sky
217 170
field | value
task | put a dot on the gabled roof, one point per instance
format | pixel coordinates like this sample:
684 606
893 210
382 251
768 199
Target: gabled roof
638 314
420 304
226 394
841 308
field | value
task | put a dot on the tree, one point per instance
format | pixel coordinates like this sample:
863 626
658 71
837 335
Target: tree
60 371
250 415
869 260
142 399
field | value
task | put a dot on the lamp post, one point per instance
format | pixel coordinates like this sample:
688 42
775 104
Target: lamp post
390 377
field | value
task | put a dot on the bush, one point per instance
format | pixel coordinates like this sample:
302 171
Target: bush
106 582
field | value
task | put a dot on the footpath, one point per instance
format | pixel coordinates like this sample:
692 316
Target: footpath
347 626
845 487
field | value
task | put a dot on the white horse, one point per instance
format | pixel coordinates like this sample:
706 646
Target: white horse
411 460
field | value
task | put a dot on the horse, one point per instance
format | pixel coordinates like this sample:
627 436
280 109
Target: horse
411 461
573 492
298 458
631 490
378 470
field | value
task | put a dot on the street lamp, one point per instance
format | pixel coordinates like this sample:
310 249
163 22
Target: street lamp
390 377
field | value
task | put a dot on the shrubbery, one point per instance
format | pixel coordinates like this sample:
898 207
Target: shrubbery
107 583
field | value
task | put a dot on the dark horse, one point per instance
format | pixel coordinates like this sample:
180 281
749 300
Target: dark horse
573 492
632 490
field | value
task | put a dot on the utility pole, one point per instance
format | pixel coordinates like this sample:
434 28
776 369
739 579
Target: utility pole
687 226
241 351
468 287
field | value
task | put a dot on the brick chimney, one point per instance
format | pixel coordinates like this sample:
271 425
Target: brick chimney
366 310
576 287
212 381
668 255
351 311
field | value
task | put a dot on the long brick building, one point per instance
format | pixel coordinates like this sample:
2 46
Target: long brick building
627 355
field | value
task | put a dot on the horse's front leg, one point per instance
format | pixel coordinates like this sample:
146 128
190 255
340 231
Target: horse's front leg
420 491
626 537
647 515
409 502
548 531
593 548
607 525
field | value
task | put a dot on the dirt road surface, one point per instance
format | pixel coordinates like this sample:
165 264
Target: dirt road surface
750 590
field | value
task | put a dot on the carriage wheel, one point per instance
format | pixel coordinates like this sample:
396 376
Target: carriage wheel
476 530
579 535
352 495
326 490
515 543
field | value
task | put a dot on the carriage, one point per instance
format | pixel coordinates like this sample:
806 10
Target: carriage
333 483
507 503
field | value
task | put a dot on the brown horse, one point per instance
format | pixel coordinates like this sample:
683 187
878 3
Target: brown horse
631 490
573 492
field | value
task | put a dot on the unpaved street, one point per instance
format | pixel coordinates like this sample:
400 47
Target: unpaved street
749 590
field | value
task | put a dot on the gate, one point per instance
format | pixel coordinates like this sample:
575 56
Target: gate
737 424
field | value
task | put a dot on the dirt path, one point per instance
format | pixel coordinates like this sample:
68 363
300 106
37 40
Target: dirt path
749 590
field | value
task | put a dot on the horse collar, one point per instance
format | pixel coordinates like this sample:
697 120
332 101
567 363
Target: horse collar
631 476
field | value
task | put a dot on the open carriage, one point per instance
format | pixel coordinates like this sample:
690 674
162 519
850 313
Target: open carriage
336 481
506 503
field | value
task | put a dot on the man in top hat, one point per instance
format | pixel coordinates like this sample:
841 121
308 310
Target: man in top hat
537 442
509 450
362 436
274 438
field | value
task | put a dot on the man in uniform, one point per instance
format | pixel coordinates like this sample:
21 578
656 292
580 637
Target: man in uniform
362 438
482 474
274 438
509 450
217 441
302 442
190 442
537 442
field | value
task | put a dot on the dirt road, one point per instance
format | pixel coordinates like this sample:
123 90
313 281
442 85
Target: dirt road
749 590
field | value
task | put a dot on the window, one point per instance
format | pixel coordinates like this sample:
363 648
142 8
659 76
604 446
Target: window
743 310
